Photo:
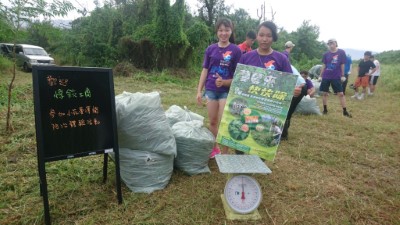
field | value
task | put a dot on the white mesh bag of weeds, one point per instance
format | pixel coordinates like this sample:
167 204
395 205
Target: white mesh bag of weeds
194 144
308 106
142 124
177 114
316 84
145 172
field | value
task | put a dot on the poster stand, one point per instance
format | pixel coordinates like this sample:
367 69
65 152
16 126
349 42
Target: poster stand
74 117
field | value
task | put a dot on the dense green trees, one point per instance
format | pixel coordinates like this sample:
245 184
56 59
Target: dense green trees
24 12
151 34
168 36
243 23
308 50
5 31
389 57
210 10
148 34
155 34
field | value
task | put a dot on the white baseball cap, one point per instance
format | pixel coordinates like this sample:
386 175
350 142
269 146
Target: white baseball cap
289 44
332 40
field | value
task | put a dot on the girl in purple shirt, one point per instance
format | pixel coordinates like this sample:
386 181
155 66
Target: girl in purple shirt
219 64
266 57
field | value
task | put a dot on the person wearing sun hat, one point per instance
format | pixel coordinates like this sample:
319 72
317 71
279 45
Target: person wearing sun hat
332 74
288 48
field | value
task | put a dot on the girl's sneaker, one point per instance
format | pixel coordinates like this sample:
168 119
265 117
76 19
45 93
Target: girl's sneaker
215 151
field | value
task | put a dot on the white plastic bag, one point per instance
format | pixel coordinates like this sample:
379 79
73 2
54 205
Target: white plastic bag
145 172
308 106
177 114
194 145
142 124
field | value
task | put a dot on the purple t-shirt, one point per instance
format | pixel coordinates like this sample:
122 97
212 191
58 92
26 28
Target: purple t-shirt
333 62
309 83
274 61
286 53
222 61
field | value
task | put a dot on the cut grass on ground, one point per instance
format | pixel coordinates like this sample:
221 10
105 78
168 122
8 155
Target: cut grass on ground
332 170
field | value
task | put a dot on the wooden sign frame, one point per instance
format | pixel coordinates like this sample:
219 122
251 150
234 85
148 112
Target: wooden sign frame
74 117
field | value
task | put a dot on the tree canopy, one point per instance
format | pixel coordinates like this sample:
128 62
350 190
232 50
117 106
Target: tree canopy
25 12
148 34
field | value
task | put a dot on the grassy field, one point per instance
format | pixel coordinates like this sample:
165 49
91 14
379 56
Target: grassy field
332 170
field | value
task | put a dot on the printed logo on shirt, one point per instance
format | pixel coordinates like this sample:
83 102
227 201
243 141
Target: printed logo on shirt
227 55
270 65
223 72
332 65
226 59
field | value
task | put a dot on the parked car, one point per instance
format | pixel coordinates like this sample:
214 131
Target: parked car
6 49
30 55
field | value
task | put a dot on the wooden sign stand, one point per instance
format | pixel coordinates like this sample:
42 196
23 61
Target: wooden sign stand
44 192
74 117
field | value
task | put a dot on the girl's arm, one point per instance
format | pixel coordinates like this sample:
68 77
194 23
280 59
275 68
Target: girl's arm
200 87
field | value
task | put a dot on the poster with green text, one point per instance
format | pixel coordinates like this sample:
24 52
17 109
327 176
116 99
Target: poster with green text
256 110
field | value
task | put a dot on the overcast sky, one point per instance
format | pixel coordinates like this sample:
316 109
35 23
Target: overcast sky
363 25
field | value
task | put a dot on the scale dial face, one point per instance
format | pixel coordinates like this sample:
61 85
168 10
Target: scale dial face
243 194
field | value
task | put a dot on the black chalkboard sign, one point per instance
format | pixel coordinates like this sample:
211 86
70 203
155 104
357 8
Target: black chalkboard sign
74 117
74 111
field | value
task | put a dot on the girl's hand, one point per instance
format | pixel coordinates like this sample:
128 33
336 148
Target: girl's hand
219 82
199 98
297 91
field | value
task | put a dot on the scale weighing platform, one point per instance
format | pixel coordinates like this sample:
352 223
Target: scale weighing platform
242 193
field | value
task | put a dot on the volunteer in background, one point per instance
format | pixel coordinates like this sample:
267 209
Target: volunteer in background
333 75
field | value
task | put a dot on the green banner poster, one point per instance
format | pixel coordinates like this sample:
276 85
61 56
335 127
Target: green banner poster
256 110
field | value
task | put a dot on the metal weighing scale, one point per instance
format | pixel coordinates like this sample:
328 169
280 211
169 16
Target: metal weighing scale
242 193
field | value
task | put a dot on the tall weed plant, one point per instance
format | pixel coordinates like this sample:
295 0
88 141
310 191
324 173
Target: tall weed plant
5 68
390 77
5 64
